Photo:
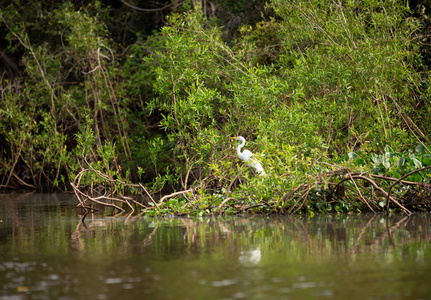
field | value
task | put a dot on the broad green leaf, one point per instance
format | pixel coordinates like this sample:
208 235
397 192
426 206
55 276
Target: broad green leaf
375 158
360 162
386 161
388 149
426 160
415 177
401 161
395 174
352 155
417 163
420 149
375 170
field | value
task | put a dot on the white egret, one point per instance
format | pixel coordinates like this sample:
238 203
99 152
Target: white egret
248 157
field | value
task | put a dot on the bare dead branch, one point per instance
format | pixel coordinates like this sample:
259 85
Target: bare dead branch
360 194
221 204
401 178
174 194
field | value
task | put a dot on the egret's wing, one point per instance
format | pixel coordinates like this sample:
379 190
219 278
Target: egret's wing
255 164
249 158
246 155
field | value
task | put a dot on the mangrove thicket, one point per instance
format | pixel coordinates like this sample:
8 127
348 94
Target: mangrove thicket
131 105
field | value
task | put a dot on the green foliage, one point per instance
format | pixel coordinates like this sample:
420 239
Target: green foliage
317 80
206 92
101 160
397 164
356 63
41 116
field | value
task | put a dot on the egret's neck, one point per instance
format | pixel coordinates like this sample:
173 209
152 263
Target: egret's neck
238 149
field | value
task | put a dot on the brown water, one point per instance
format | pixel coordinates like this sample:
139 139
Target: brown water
46 252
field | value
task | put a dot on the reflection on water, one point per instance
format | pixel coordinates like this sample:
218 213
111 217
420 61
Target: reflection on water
46 252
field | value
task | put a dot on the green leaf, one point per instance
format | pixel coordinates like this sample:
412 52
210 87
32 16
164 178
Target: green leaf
375 158
417 163
420 149
388 149
360 162
375 170
401 161
395 174
416 177
426 160
386 160
352 155
140 172
173 202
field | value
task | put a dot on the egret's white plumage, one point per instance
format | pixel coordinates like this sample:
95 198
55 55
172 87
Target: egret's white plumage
248 157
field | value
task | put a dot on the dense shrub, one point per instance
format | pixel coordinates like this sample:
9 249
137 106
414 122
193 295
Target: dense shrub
314 81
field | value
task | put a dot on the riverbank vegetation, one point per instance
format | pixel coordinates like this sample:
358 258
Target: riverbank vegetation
332 97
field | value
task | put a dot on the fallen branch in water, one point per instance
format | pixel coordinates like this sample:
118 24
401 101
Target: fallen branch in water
331 190
106 192
110 192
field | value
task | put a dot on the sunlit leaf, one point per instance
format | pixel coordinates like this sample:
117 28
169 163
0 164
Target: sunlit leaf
375 158
386 160
352 155
388 149
417 163
401 161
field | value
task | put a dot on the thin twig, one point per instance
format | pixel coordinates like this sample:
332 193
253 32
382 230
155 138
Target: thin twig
360 194
148 194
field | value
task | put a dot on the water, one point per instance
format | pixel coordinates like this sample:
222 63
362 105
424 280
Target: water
47 253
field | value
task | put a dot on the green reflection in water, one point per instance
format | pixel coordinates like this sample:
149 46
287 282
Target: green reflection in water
47 252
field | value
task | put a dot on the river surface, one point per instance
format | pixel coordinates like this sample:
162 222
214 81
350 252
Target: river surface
47 252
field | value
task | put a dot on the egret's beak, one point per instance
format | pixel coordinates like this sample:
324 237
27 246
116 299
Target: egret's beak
233 137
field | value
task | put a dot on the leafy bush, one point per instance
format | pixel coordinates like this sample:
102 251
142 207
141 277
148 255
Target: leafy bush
342 79
356 62
397 164
316 81
63 82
